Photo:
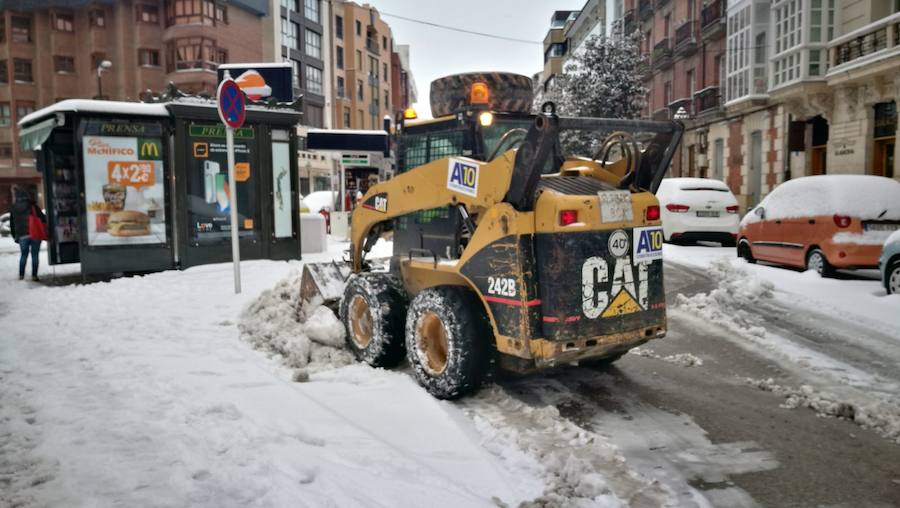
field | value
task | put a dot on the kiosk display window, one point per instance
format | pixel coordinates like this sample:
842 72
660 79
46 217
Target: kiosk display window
209 196
124 189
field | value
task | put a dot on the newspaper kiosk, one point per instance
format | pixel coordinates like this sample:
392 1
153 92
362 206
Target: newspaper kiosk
139 187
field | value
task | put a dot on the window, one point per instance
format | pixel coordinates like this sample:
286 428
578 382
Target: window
290 34
23 109
2 29
220 56
63 22
311 10
5 116
148 57
373 66
22 70
193 53
64 64
4 72
313 115
383 42
387 101
97 18
295 73
96 58
359 65
346 118
221 14
359 89
148 14
358 28
667 25
339 27
313 80
360 119
385 72
21 29
339 57
6 151
313 46
340 87
188 12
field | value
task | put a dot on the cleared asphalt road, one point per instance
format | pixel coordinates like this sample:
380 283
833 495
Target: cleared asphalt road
708 435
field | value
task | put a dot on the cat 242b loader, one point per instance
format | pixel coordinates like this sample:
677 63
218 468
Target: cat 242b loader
507 251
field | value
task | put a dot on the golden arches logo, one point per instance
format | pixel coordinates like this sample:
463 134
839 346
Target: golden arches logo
149 149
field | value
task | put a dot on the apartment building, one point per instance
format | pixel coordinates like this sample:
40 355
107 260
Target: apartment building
51 50
805 87
362 45
403 85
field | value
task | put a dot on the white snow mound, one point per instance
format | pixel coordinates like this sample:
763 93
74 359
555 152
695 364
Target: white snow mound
308 338
725 305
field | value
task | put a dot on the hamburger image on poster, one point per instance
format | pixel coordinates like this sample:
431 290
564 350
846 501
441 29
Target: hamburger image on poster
124 194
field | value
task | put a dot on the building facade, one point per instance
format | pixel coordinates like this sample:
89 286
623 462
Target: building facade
403 84
800 87
53 52
362 44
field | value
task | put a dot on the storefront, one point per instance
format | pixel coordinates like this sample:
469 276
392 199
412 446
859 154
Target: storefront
884 139
133 187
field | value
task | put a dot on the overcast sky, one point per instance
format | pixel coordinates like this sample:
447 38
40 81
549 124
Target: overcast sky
436 52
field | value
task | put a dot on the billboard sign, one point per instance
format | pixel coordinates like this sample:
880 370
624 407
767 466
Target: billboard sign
261 81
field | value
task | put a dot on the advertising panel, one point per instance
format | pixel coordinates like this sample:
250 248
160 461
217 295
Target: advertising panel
124 189
261 81
281 178
208 193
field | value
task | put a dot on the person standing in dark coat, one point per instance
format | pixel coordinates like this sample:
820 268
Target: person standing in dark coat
22 209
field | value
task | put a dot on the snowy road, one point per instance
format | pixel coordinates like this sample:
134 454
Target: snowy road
141 392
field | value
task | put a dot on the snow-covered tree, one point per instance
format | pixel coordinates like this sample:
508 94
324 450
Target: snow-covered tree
602 79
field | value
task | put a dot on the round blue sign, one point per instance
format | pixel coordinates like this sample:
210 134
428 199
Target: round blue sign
231 104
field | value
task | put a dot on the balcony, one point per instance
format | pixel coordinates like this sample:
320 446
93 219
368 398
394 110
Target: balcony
662 55
661 115
660 3
866 46
685 42
644 69
861 46
372 46
687 103
712 20
708 100
645 9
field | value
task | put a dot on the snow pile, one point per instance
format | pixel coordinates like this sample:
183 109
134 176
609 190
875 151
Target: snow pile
309 338
737 290
863 197
881 416
683 359
581 468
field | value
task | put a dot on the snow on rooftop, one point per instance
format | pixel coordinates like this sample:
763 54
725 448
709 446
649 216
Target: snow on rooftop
95 106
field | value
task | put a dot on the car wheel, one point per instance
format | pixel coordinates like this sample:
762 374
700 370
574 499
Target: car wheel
893 278
817 262
744 252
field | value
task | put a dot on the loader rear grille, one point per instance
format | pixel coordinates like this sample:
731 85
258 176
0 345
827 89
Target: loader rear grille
575 185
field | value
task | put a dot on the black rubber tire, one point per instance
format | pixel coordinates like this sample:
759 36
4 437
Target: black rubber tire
470 341
510 92
892 267
827 270
386 300
743 251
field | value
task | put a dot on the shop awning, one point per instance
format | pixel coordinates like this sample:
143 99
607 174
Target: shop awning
34 136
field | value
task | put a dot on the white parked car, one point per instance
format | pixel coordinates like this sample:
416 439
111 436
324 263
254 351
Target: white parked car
317 201
698 209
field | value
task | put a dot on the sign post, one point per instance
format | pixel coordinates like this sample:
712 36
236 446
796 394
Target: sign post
232 111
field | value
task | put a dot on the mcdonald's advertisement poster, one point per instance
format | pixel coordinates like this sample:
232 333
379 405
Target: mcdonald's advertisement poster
124 190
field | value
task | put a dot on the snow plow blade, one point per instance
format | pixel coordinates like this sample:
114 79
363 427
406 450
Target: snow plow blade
325 281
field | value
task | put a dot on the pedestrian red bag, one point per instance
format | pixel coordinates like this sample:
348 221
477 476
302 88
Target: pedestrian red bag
37 230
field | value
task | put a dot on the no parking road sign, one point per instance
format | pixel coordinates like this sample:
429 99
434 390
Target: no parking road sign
231 104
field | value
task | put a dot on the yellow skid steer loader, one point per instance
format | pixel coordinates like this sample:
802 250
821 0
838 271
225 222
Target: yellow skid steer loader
507 251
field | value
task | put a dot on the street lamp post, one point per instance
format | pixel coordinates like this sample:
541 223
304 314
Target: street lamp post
102 66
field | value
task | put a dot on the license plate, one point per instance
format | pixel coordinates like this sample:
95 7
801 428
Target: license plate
704 213
881 227
615 206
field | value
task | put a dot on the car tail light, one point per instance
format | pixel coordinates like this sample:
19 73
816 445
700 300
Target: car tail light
652 212
731 209
672 207
567 217
842 221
